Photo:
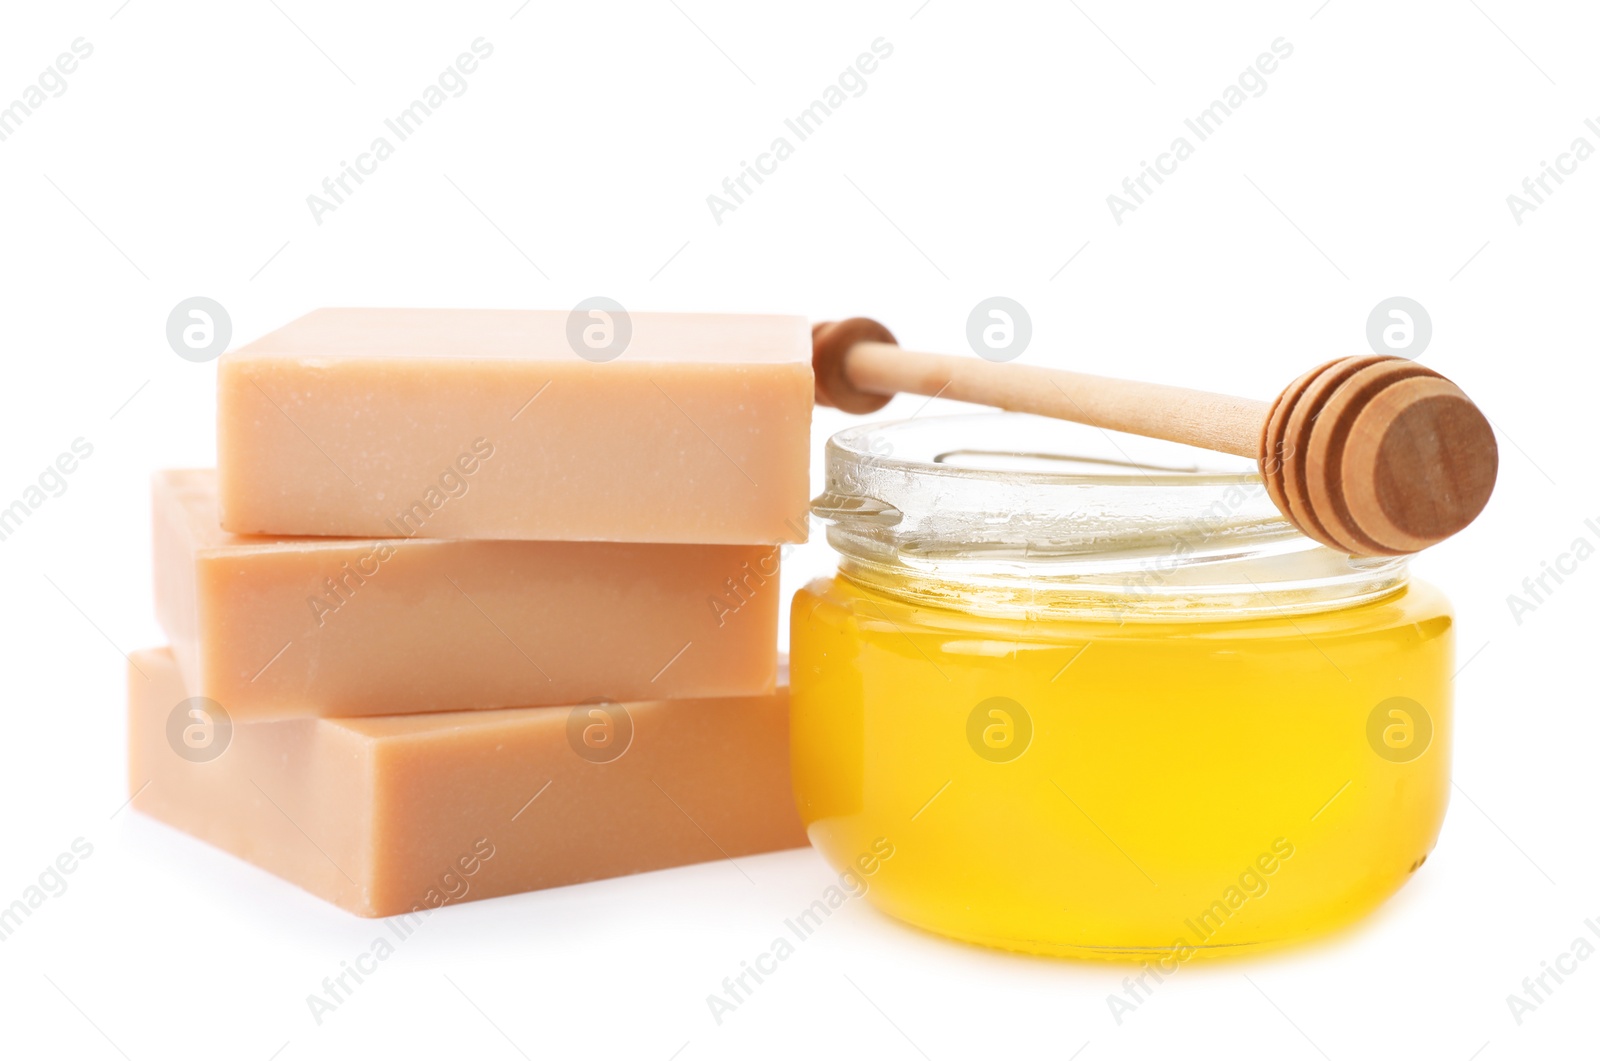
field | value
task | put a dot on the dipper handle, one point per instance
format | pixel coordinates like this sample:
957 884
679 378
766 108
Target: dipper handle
1374 456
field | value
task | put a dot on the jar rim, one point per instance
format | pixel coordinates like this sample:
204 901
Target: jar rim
1002 512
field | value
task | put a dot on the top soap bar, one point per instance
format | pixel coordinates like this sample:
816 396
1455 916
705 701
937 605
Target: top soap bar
455 423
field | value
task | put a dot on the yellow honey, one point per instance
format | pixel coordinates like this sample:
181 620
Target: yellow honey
1082 739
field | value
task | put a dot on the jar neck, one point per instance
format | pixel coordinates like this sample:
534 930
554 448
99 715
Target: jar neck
1011 515
1191 579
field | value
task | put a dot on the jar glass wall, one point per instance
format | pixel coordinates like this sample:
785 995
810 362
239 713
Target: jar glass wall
1107 704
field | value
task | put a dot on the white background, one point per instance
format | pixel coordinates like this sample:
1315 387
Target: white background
977 163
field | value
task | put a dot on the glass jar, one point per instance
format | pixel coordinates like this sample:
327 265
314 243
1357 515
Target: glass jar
1082 694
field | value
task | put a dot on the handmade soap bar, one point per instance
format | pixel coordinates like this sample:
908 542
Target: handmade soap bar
338 627
408 812
452 423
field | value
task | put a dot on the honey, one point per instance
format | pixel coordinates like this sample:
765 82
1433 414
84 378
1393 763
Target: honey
1108 707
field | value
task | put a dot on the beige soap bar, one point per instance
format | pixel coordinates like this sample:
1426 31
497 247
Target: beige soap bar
338 627
408 812
454 423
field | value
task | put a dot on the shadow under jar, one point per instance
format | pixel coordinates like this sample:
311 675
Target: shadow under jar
1087 695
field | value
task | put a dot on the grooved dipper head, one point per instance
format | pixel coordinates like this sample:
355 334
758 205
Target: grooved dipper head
1377 456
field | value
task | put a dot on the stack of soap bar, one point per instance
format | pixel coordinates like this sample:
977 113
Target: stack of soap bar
337 626
393 814
440 547
453 423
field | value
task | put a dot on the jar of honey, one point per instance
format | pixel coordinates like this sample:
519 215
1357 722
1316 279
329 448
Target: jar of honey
1090 695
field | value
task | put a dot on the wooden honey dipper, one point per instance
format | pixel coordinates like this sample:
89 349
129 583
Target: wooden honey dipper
1373 456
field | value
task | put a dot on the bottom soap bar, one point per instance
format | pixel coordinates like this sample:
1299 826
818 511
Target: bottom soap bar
389 814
